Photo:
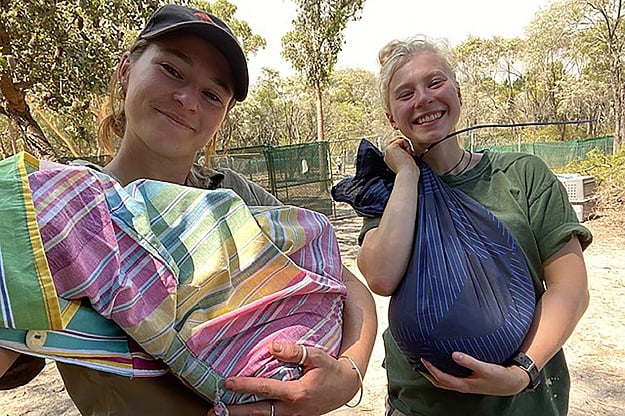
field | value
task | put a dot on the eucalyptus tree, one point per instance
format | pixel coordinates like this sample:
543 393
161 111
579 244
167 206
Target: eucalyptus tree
604 44
278 111
556 67
576 71
489 71
312 47
354 110
55 55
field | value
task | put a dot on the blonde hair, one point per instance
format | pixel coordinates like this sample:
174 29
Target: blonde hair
112 116
397 52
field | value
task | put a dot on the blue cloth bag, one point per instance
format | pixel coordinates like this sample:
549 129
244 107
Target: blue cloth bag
467 287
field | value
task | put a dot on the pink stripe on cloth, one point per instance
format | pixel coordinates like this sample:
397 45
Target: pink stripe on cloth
72 232
75 224
302 312
321 255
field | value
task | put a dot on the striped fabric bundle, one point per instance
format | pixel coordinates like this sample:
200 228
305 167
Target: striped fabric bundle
198 279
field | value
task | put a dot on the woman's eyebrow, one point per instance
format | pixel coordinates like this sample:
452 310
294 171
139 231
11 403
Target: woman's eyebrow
187 59
178 53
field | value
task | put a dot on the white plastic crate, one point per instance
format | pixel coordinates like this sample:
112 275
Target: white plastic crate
584 210
578 188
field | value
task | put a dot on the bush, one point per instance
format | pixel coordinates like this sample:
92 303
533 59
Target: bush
609 173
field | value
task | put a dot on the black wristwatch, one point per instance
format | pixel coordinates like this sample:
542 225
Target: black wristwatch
529 366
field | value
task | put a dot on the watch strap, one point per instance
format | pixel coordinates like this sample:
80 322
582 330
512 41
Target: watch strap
522 360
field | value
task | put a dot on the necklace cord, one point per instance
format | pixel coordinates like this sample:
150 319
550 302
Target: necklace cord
457 164
464 169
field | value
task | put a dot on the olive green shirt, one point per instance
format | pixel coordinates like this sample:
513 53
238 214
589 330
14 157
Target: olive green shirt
521 191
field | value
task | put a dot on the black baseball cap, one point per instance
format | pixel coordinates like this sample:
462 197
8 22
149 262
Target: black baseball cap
172 17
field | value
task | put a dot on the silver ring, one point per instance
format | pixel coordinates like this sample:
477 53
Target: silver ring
272 409
304 355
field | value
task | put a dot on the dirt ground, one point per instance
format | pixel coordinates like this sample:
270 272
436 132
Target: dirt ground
596 350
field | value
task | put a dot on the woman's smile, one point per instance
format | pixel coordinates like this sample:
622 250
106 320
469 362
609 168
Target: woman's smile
177 120
429 118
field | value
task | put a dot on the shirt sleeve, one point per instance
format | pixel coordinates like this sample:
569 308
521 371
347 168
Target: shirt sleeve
551 214
367 225
250 192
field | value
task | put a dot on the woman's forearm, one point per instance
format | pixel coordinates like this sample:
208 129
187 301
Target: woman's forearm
386 250
561 306
360 322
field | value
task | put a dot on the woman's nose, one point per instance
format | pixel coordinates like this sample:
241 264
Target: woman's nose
188 98
421 97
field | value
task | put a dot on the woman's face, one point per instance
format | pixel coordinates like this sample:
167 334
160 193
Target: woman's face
424 99
177 94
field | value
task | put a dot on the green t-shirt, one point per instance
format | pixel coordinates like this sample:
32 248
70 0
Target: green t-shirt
521 191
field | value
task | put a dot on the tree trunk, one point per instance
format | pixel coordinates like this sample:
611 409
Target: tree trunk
320 124
618 92
17 109
18 112
618 119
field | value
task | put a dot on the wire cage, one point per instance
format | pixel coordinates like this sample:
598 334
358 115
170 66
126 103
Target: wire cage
295 174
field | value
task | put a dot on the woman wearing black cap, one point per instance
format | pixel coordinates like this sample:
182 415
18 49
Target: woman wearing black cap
171 93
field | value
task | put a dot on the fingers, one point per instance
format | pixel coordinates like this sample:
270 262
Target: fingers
292 353
441 379
403 143
292 397
264 387
275 389
467 361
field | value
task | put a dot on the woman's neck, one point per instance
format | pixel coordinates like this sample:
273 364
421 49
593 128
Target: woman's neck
126 168
443 157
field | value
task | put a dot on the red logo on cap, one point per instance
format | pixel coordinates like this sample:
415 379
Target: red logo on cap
204 16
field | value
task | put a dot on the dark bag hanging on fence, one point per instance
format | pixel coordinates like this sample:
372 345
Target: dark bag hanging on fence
467 287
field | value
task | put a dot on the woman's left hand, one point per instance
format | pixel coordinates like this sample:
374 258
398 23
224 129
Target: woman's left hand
486 378
327 384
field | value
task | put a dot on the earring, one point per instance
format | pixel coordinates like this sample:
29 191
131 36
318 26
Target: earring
120 89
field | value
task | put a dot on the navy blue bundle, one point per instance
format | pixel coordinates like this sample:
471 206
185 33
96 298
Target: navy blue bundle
467 287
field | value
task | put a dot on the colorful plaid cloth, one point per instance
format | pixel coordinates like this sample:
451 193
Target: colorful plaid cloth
197 278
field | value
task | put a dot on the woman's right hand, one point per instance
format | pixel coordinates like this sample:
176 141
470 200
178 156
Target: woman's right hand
399 155
327 384
385 252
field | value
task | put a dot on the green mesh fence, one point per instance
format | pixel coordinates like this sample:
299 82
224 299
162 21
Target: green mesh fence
248 161
555 154
296 174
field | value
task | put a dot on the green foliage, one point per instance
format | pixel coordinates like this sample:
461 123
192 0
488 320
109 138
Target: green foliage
64 53
281 111
609 173
313 45
278 111
353 107
489 71
567 67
